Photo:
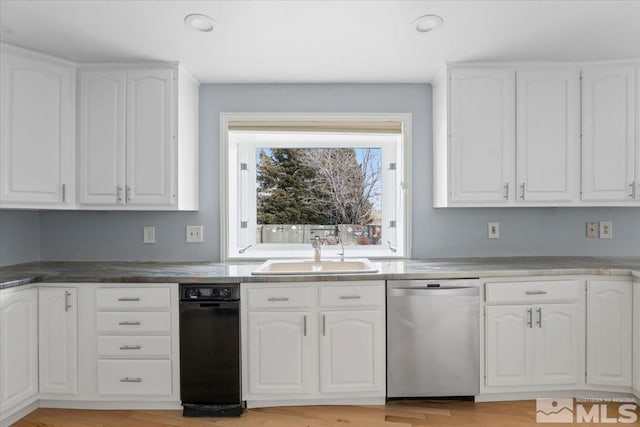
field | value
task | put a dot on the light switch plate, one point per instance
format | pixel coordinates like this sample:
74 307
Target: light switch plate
194 234
493 230
149 234
606 229
592 229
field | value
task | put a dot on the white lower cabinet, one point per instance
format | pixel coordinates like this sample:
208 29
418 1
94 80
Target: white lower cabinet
537 338
351 352
636 338
58 344
609 333
538 344
279 356
18 348
313 341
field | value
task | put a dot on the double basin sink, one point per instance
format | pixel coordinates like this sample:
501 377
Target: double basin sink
308 267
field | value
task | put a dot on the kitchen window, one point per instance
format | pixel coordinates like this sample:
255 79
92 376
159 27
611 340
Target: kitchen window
289 179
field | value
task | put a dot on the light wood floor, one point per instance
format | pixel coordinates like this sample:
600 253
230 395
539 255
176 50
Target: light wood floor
394 414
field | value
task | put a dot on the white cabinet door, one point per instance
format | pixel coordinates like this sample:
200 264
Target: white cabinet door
608 145
559 344
352 351
279 350
151 158
609 333
18 347
482 135
102 137
636 337
509 345
37 132
548 131
58 330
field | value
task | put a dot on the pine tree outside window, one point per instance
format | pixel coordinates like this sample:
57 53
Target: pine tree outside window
289 181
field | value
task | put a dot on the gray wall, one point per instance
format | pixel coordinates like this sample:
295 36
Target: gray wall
437 232
19 237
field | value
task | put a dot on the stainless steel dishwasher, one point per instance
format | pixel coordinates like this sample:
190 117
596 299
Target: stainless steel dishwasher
433 342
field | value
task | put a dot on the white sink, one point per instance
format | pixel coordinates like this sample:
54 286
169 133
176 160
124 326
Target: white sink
301 266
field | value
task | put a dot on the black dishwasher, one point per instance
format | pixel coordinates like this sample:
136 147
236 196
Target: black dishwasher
210 382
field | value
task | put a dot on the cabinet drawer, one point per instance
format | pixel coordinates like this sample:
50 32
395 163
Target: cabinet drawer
133 298
134 322
340 296
534 292
279 297
131 346
134 377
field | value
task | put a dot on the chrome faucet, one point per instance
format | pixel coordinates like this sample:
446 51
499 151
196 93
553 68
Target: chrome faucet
317 248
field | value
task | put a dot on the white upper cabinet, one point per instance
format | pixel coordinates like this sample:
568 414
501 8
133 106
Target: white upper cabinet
481 135
37 145
608 133
102 137
138 138
533 135
548 140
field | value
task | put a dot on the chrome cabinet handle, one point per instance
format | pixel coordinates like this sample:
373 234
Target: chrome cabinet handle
349 296
129 323
324 324
522 187
633 189
539 310
536 292
119 193
275 299
128 195
305 325
67 305
530 321
131 347
506 191
128 299
131 380
64 193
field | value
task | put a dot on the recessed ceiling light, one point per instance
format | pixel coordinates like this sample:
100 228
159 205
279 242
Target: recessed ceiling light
5 29
427 23
200 22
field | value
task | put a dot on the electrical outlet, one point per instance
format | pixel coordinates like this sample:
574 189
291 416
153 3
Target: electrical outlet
606 229
194 234
493 230
149 234
592 229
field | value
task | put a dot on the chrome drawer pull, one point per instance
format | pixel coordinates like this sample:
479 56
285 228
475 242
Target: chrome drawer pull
275 299
128 299
349 296
131 380
129 323
131 347
536 292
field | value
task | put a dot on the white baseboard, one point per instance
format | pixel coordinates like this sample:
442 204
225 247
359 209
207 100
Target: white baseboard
309 402
532 395
101 404
19 413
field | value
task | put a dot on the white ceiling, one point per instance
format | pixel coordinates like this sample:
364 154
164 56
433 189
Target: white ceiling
324 41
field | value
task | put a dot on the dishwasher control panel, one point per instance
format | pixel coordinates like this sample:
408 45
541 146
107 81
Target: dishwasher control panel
222 292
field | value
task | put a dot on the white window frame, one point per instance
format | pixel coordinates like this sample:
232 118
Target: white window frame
235 208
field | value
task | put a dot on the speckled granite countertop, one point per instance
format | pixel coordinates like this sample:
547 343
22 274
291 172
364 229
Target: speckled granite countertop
209 272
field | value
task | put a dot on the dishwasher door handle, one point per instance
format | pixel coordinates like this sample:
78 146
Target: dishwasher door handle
433 292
